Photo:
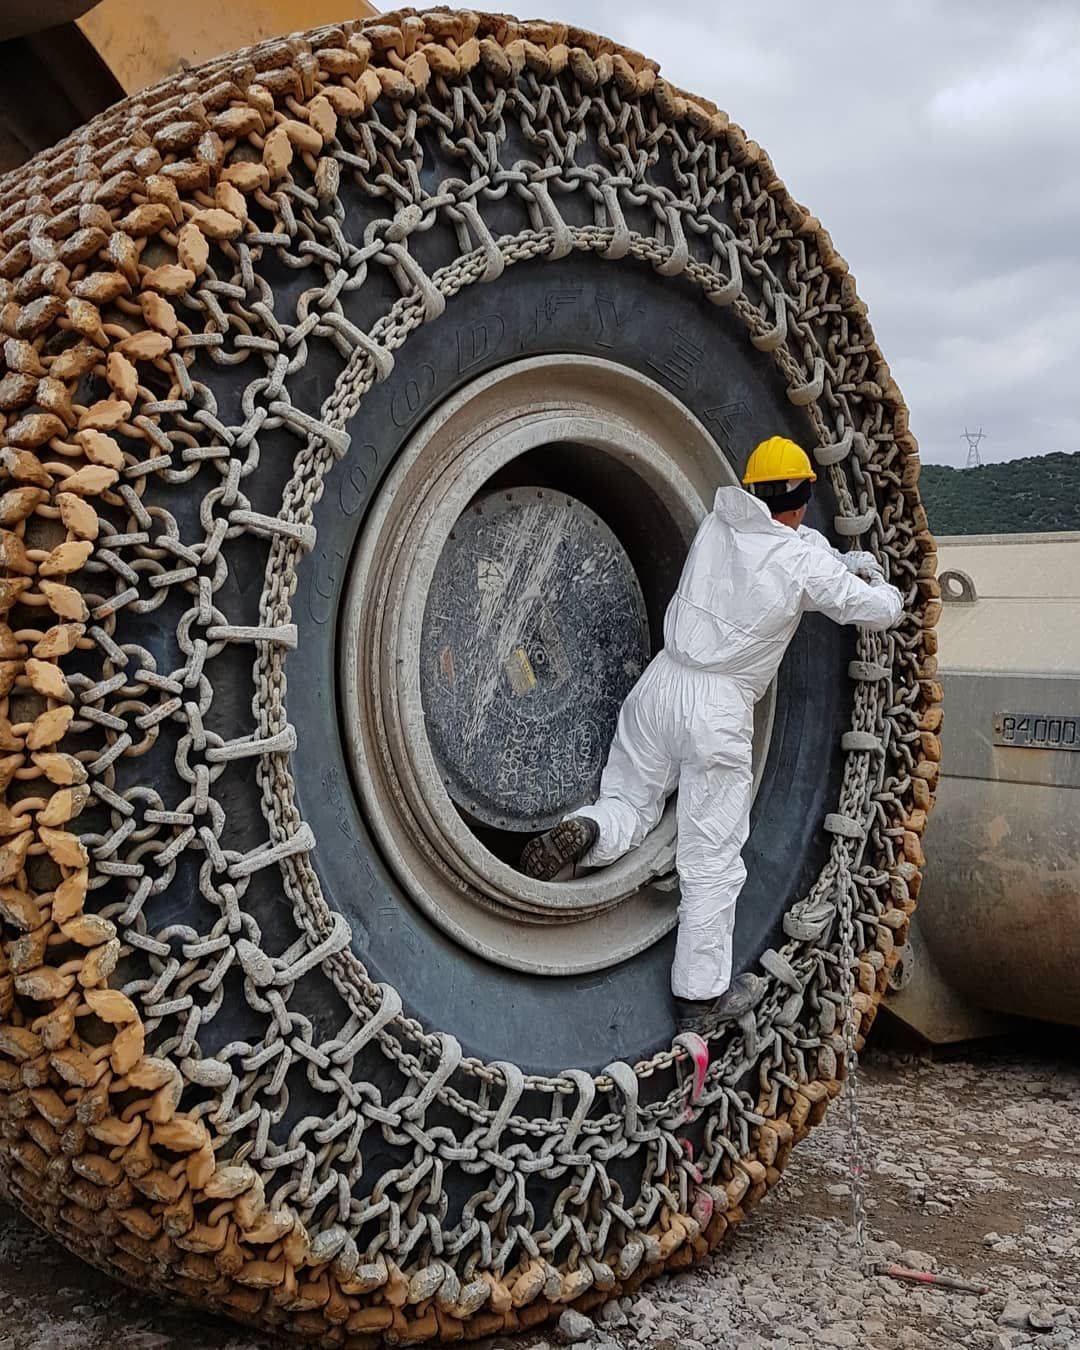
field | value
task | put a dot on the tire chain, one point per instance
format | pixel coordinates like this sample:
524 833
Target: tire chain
134 260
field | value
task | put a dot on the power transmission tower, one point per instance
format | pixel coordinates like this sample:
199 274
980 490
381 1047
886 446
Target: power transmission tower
974 459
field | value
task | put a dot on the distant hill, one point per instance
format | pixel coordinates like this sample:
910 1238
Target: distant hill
1017 497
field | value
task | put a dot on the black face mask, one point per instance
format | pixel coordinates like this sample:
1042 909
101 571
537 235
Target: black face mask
779 502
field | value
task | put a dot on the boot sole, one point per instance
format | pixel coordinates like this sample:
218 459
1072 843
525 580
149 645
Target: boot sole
545 857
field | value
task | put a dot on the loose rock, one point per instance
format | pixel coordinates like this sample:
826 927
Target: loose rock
574 1327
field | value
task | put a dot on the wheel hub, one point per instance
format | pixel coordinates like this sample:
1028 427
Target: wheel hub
534 632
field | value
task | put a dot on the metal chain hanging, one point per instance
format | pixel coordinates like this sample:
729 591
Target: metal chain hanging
153 374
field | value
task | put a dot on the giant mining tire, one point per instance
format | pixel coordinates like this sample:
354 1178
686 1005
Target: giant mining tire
362 392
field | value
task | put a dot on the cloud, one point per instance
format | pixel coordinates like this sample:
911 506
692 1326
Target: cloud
1034 85
938 143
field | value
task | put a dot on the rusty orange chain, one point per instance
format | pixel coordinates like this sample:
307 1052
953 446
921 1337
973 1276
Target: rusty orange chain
151 376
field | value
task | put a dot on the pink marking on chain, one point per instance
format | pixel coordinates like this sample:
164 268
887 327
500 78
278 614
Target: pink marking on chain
702 1208
698 1051
701 1064
688 1153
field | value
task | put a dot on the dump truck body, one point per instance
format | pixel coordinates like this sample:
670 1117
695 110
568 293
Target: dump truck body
998 935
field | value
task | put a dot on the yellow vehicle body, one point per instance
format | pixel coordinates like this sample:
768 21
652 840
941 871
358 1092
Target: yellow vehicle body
63 61
142 41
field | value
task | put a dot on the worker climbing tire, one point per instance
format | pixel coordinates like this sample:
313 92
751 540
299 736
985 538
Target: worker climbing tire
303 349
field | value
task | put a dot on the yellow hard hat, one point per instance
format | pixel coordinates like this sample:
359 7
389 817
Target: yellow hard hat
777 460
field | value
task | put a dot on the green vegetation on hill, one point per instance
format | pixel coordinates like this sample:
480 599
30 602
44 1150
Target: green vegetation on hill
1017 497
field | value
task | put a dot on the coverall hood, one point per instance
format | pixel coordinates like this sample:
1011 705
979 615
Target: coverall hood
737 508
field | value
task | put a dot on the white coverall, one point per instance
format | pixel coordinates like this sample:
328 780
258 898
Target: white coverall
688 722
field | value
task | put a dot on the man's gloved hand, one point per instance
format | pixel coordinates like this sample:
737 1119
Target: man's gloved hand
864 565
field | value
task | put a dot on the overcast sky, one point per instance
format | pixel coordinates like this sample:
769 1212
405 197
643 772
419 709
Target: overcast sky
940 145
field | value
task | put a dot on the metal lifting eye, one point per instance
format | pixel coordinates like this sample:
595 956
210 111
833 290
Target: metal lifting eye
957 588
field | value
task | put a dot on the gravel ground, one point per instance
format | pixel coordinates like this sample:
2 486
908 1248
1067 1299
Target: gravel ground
975 1172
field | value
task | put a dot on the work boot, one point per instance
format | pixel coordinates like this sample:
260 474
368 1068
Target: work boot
693 1014
701 1015
746 992
544 857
